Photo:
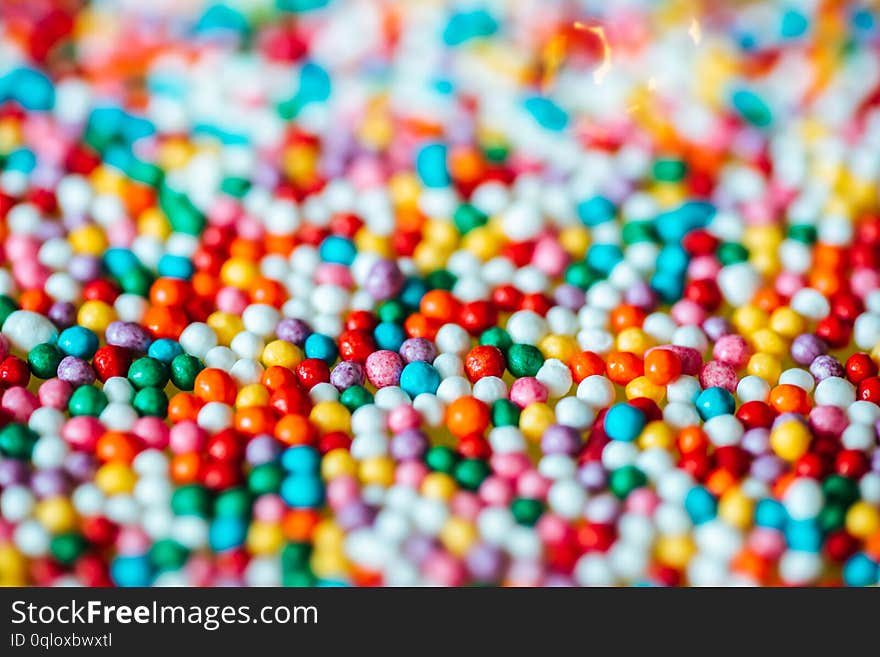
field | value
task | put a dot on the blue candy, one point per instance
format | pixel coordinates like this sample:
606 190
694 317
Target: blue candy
389 335
338 250
78 341
860 570
318 345
803 535
547 113
595 211
466 25
119 261
624 422
32 89
131 571
164 350
604 257
700 505
418 377
770 513
226 533
175 266
715 401
302 491
301 459
431 165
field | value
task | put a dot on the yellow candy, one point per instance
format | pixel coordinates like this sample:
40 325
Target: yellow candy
96 316
736 509
240 273
89 239
770 342
328 535
442 234
329 563
482 242
748 319
561 347
366 241
56 514
458 535
107 181
767 366
153 223
254 394
787 323
264 538
283 353
534 420
642 386
404 188
675 551
790 440
438 485
115 478
764 237
330 416
299 163
10 135
338 463
766 262
174 154
575 240
429 257
635 340
13 566
668 194
225 325
657 434
378 471
862 519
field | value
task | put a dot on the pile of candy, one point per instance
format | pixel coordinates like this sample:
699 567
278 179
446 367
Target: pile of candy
408 292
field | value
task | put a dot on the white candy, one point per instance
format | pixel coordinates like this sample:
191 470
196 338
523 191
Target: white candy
834 391
489 389
527 327
26 329
810 303
556 377
197 339
574 412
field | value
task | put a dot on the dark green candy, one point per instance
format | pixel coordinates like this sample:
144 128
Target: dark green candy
148 372
354 397
496 337
730 253
441 280
17 441
524 360
526 511
184 370
505 413
470 473
234 502
441 459
580 275
168 554
191 500
265 478
151 402
626 479
7 307
87 400
66 548
467 217
44 359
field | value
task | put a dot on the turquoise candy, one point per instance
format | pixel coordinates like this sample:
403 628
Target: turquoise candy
30 88
222 18
174 266
300 6
752 108
338 250
22 160
674 224
595 211
466 25
131 571
431 165
547 113
225 533
183 216
119 261
603 257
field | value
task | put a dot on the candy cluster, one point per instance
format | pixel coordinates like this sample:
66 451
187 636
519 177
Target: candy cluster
404 293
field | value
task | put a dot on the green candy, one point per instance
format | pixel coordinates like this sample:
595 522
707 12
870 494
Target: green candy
524 360
191 500
148 372
17 441
265 478
354 397
580 275
803 233
136 280
391 311
505 413
295 556
66 548
168 554
184 370
626 479
470 473
638 231
235 502
526 511
669 170
496 337
467 217
87 400
7 307
841 489
832 517
298 579
441 459
730 253
235 187
151 402
44 359
441 279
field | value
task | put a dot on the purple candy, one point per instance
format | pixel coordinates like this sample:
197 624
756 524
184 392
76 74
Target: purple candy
12 471
806 348
716 327
767 468
84 267
49 483
384 280
418 547
756 441
641 295
293 330
76 371
80 465
418 349
62 314
129 335
569 296
408 445
262 449
354 515
826 366
485 562
347 374
559 439
592 476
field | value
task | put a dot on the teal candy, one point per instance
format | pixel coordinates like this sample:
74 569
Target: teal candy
174 266
669 285
431 165
222 18
595 211
302 491
803 535
770 513
183 216
466 25
794 24
338 250
29 87
314 83
131 571
674 224
22 160
119 261
413 291
715 401
299 6
223 136
860 570
673 259
164 350
418 377
604 257
700 505
624 422
752 108
547 113
389 336
78 341
318 345
226 533
301 459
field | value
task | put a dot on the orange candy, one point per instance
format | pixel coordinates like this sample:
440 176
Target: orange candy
586 363
293 429
116 446
623 366
298 525
254 420
213 384
439 304
276 377
185 468
788 398
662 366
626 316
692 439
170 292
265 290
467 415
184 406
165 322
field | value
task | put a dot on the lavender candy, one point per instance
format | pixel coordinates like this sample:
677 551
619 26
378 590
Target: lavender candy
384 280
418 349
347 374
62 314
293 330
408 445
559 439
76 371
826 366
806 348
129 335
